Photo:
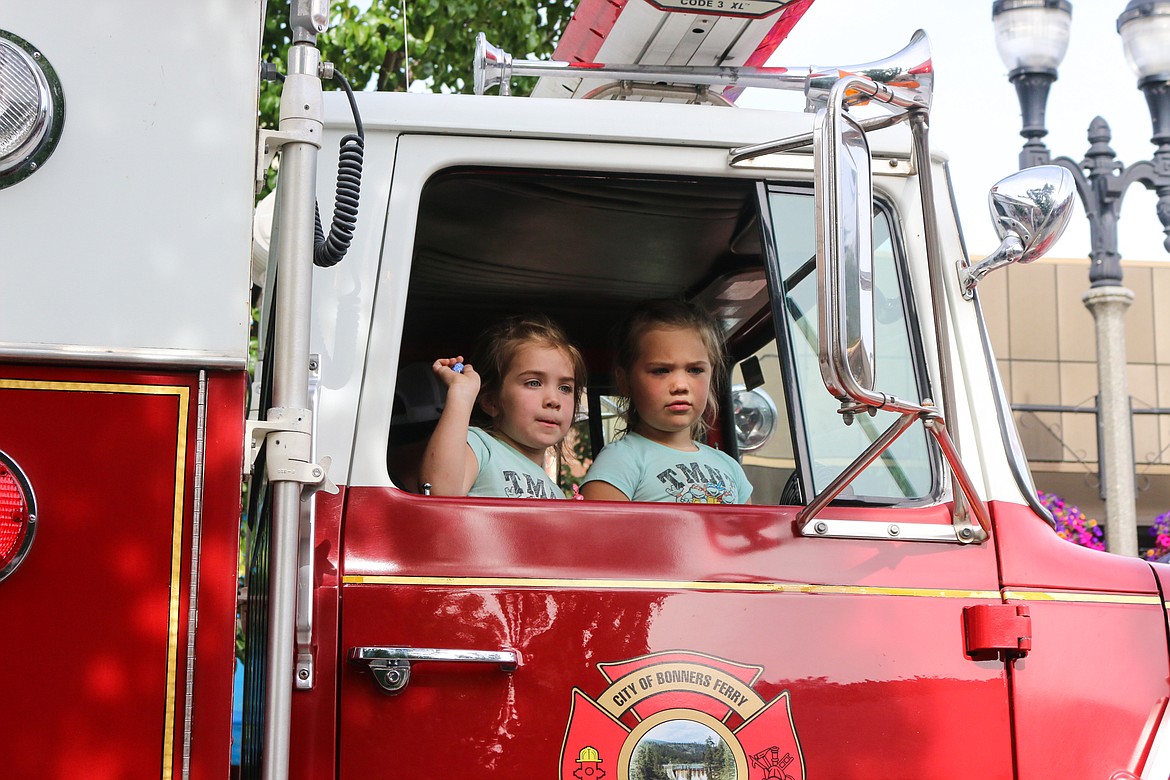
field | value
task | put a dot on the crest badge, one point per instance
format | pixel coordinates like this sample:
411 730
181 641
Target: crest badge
683 715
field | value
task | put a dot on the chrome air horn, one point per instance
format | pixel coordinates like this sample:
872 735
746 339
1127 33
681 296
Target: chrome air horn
903 80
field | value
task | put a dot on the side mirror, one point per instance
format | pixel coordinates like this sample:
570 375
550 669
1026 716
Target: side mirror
844 213
1030 210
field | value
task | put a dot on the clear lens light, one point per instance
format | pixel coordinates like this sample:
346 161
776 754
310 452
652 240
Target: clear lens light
755 417
22 103
1031 35
1145 35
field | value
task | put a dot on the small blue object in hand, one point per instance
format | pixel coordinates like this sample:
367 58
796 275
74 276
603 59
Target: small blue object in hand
457 368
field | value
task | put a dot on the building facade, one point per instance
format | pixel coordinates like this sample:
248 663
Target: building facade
1045 344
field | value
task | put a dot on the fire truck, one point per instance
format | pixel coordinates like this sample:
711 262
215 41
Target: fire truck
893 604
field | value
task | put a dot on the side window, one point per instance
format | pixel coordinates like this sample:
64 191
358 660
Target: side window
583 248
905 472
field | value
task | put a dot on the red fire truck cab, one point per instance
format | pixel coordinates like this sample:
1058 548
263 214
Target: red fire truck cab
893 603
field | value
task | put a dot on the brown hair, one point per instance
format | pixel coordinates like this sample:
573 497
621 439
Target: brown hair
497 348
671 313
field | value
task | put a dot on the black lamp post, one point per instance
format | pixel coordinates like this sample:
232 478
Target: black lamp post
1032 37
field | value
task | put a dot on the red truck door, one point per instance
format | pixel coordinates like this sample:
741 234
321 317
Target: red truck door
641 635
855 646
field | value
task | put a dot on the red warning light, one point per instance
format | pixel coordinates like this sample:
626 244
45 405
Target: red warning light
18 516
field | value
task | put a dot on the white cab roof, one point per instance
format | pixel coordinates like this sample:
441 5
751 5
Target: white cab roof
601 120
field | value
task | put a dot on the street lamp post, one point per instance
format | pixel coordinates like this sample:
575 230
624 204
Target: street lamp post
1032 37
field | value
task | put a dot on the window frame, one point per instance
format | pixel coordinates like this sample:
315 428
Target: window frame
796 414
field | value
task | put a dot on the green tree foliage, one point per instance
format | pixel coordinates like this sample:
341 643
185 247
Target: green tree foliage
718 759
648 761
369 45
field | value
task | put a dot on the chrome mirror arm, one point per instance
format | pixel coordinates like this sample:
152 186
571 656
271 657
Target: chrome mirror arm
806 516
959 530
1010 250
856 390
741 154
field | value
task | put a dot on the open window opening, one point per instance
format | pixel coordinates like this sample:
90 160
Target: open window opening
581 249
584 248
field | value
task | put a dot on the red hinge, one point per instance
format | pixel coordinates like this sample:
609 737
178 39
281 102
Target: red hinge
994 629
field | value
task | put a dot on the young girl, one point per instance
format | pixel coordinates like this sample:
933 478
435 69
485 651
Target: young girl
529 384
669 366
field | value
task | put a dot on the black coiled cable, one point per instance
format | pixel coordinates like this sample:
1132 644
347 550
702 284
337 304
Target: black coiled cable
329 250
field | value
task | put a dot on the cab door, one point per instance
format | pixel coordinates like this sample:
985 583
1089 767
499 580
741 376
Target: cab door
513 638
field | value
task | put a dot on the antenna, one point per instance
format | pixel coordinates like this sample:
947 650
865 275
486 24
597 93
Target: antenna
406 45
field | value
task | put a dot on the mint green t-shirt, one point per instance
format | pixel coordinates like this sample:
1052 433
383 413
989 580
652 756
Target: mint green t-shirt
648 471
505 472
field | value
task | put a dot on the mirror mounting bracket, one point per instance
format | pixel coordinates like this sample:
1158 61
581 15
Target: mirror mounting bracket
1009 251
850 409
961 530
846 334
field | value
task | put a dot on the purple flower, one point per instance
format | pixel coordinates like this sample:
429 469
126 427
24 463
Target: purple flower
1072 525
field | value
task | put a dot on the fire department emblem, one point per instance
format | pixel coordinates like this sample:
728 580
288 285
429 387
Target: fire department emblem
684 716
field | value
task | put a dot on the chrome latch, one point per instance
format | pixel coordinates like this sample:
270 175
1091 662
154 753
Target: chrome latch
391 666
391 674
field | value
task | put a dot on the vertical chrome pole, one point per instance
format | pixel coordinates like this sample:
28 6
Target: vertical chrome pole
920 125
301 117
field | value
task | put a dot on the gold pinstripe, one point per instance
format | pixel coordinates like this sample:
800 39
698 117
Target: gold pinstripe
1070 596
747 587
702 585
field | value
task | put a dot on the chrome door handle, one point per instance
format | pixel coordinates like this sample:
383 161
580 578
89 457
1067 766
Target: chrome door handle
391 665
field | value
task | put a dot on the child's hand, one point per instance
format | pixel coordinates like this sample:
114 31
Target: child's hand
462 380
449 463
